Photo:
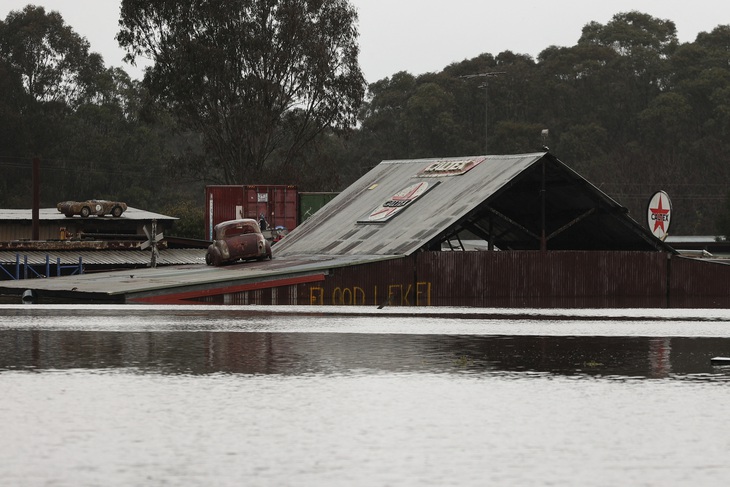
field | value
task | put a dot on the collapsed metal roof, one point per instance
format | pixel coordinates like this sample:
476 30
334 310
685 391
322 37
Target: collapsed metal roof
515 202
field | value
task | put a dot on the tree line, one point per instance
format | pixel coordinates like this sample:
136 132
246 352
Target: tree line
271 93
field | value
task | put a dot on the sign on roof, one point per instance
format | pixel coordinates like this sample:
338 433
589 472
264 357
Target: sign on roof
659 214
397 203
452 167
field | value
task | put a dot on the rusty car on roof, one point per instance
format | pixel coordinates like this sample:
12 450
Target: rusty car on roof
92 207
237 240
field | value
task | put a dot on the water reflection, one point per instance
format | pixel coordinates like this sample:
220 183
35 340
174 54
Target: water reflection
206 352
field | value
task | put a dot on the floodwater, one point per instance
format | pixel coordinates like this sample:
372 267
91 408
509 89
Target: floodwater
253 395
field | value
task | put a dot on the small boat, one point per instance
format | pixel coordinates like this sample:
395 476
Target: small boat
720 360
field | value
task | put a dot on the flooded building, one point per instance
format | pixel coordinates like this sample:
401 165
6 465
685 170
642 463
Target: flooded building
73 245
519 230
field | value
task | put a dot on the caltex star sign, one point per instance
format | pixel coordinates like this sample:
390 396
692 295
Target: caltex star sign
659 214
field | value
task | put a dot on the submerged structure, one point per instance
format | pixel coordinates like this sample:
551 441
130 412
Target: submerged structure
490 231
516 202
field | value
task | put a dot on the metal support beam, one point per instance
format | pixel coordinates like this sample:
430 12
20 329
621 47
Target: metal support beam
514 223
571 223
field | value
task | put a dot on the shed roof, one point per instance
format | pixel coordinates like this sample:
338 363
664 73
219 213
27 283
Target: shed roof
48 214
102 257
402 206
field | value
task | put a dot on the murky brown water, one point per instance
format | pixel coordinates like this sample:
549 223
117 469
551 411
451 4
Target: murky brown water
222 396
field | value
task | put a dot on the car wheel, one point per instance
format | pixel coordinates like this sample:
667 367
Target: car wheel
85 212
117 211
212 259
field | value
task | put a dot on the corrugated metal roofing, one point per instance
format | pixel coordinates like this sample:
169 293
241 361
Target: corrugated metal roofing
497 198
167 279
693 239
54 214
105 257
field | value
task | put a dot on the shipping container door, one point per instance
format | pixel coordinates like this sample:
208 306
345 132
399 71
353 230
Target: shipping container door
285 209
277 203
222 203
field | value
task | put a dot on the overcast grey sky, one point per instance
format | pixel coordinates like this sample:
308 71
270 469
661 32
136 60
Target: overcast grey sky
421 36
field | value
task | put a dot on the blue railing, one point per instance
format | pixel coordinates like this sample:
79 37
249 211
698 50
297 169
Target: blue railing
24 270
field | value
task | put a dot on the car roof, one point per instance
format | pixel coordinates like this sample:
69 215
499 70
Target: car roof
235 223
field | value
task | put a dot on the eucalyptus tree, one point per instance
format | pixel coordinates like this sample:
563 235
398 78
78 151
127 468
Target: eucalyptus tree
46 73
701 74
45 64
637 73
382 127
52 61
85 121
259 79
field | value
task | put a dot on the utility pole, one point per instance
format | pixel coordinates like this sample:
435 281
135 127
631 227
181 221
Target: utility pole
485 85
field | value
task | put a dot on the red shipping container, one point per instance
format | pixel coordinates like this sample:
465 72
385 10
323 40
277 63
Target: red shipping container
278 203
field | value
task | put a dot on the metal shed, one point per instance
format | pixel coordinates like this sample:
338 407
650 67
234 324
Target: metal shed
550 239
16 224
513 202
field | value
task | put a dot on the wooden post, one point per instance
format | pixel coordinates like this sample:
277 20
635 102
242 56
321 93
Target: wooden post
153 241
543 240
36 199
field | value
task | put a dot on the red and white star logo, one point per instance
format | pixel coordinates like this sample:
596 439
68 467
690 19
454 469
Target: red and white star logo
397 202
659 214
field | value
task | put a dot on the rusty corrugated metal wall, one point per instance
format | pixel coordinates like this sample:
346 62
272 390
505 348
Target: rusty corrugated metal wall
500 279
367 284
23 230
533 278
282 295
698 283
509 279
523 279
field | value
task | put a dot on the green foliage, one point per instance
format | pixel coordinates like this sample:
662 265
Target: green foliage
191 214
662 123
632 33
583 143
516 138
429 120
48 71
59 103
259 79
51 60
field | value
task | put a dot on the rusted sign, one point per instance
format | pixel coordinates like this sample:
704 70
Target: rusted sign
450 167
